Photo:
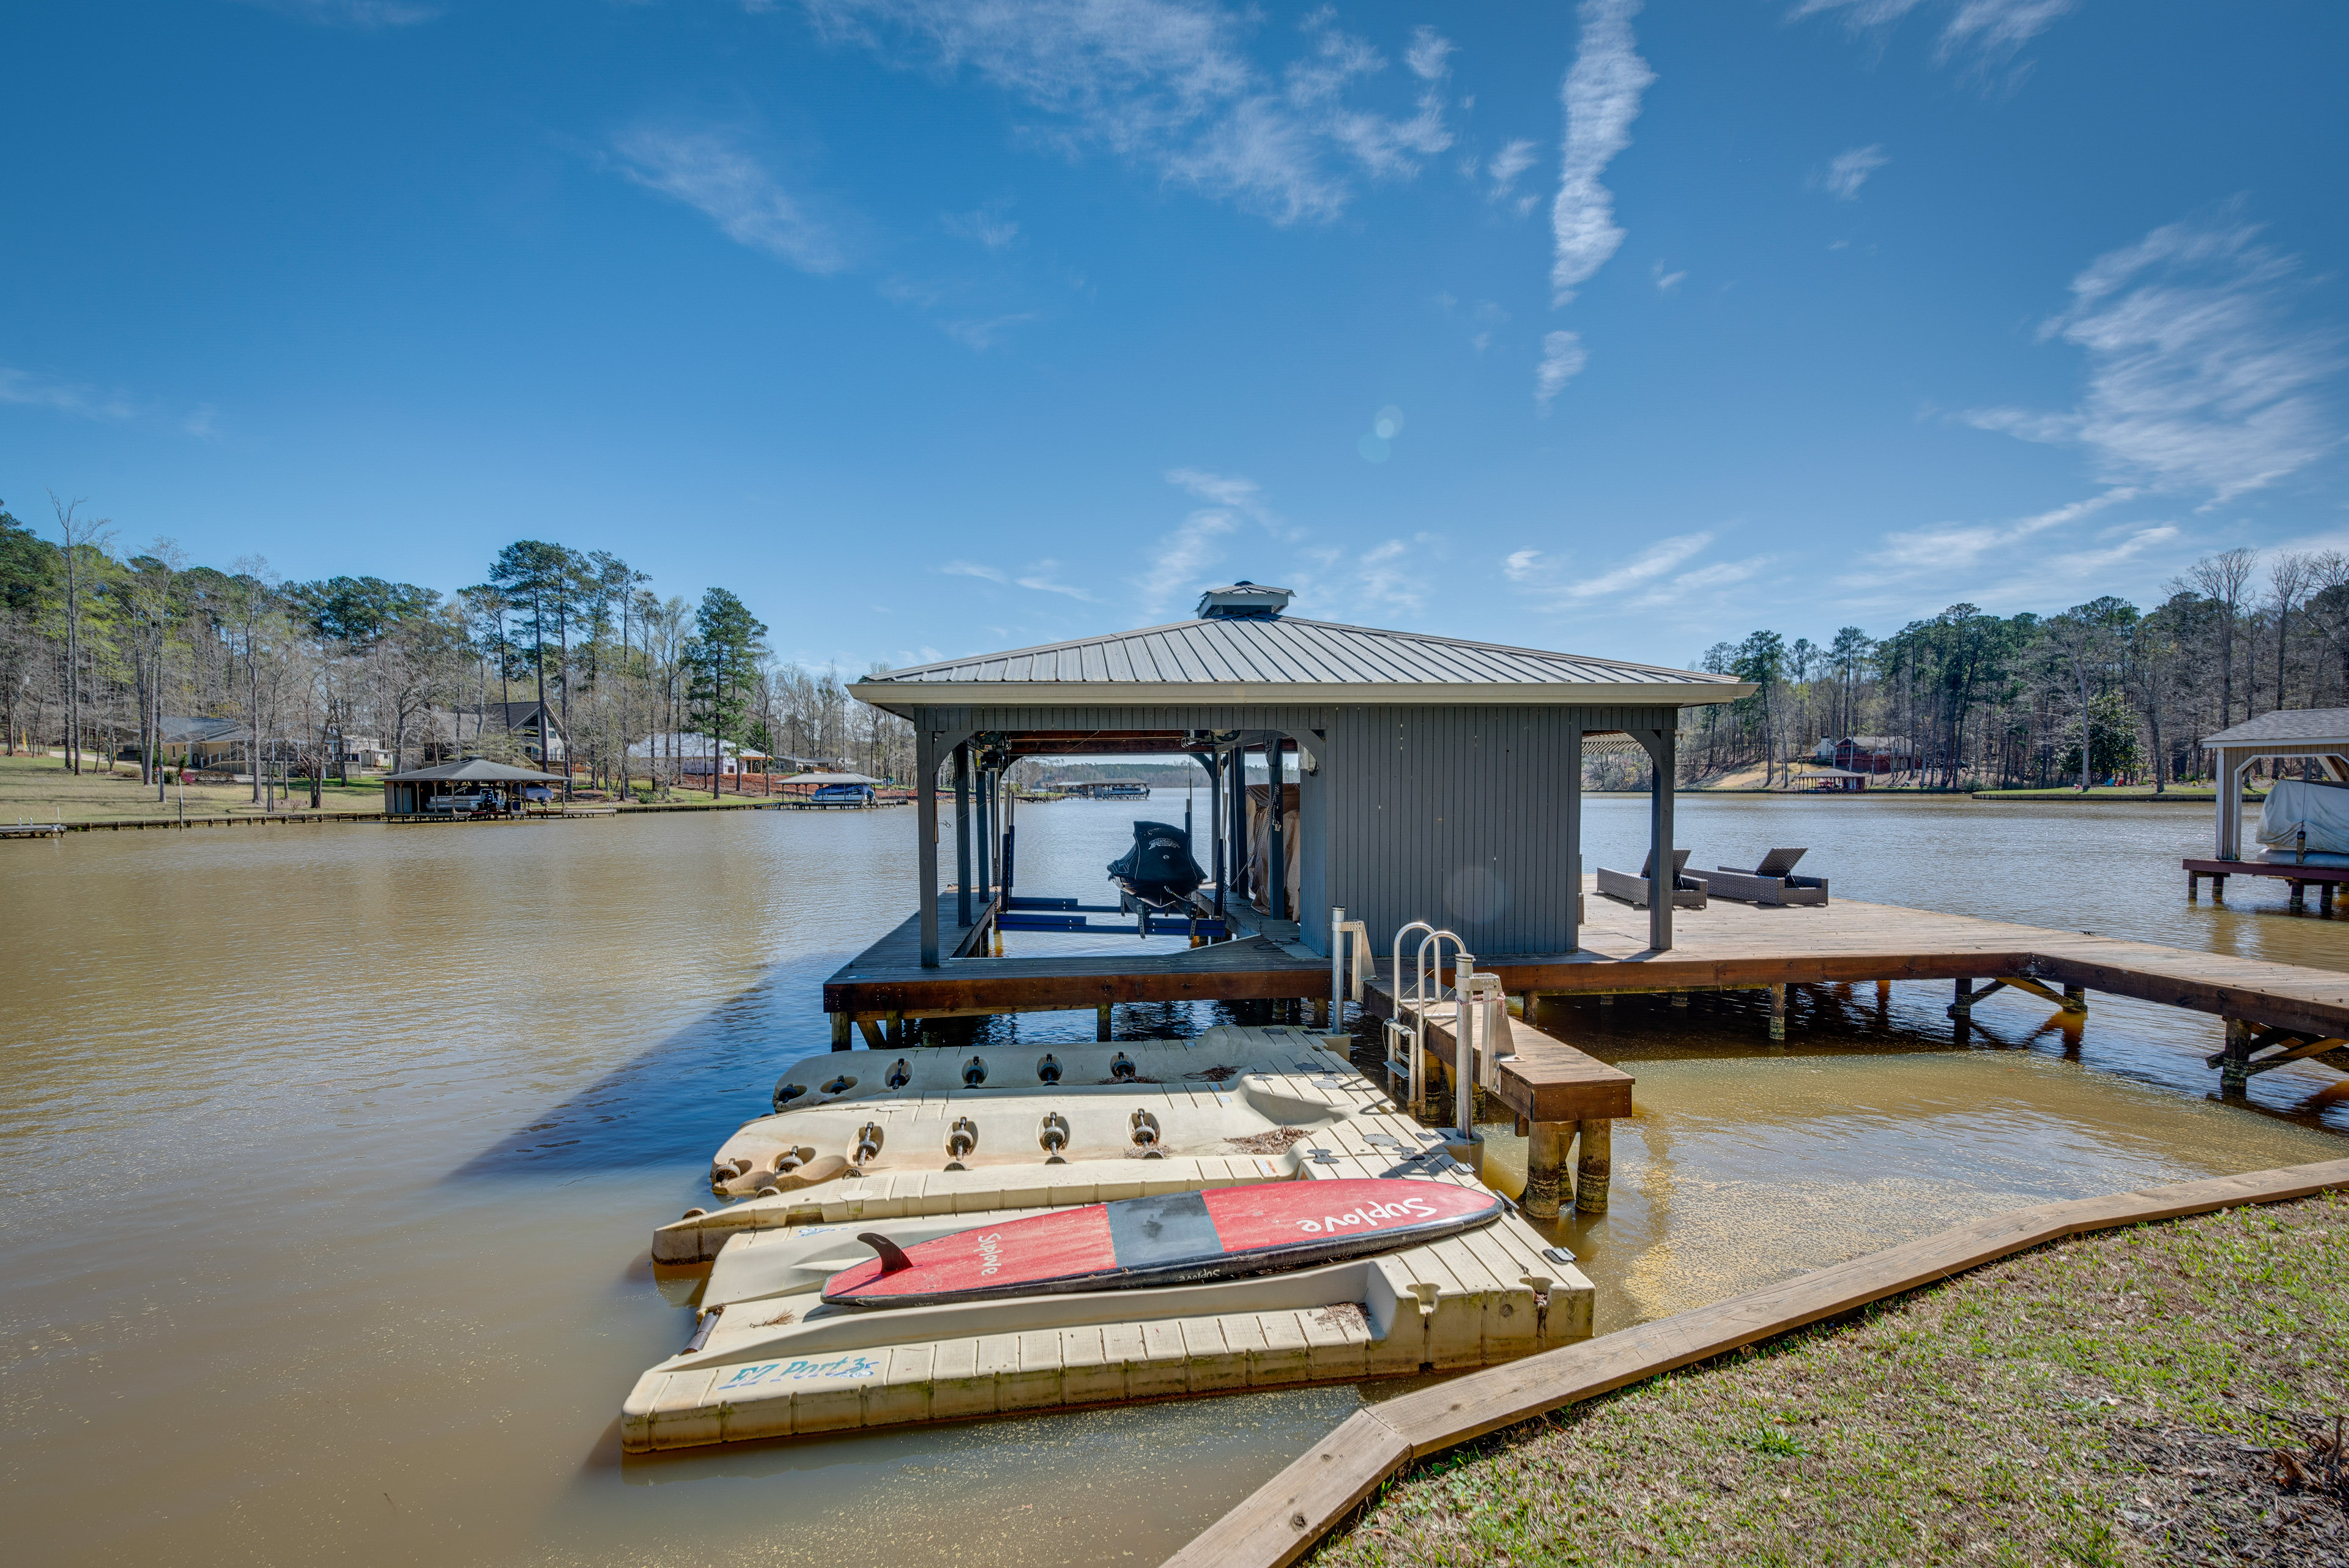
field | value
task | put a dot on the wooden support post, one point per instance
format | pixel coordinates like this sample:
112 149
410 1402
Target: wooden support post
2219 889
2325 896
1606 999
925 814
1100 1021
1320 1012
1778 1013
962 832
2235 1064
1590 1172
1545 1154
897 1029
1680 999
841 1027
2193 886
2299 900
872 1029
1962 1008
2076 998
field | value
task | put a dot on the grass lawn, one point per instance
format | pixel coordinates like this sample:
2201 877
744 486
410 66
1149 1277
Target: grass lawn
40 789
2169 1393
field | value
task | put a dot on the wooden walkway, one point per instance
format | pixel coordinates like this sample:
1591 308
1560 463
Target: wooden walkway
1286 1516
1731 946
1725 946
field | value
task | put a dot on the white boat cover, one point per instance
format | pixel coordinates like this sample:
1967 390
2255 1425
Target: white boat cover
2294 806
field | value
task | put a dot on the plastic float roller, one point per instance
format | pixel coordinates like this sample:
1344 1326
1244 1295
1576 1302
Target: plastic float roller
1074 1154
781 1153
1224 1051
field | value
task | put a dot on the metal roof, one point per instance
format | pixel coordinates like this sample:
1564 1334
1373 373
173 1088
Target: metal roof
2298 726
1286 659
475 769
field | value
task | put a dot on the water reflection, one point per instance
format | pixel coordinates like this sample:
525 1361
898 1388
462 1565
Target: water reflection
327 1160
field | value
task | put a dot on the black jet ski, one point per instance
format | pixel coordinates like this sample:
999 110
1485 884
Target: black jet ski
1158 871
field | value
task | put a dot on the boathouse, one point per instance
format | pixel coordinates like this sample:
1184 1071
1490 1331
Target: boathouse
1434 777
411 793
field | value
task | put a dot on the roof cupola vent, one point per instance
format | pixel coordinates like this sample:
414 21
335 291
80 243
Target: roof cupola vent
1243 600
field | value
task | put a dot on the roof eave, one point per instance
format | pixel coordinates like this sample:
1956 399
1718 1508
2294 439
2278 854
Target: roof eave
903 697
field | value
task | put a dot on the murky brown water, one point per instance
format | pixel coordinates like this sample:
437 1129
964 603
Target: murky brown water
330 1157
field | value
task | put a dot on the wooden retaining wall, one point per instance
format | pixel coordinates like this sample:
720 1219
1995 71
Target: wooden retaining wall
1289 1513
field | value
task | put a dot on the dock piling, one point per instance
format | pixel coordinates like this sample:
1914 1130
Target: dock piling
840 1025
1100 1021
1777 1011
1546 1147
1962 1007
1590 1172
2235 1063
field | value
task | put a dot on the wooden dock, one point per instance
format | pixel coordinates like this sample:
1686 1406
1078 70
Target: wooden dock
2286 1010
886 981
1282 1519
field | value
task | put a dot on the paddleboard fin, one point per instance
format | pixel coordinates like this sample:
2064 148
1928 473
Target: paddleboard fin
892 1256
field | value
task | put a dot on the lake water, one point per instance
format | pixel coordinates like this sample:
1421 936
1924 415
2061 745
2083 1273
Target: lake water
328 1158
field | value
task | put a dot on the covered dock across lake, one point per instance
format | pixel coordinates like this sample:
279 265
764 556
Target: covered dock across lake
412 793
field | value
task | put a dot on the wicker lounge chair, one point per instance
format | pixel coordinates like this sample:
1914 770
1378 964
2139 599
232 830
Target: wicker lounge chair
1688 891
1773 882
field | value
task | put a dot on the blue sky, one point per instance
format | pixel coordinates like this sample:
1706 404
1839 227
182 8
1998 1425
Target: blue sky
938 327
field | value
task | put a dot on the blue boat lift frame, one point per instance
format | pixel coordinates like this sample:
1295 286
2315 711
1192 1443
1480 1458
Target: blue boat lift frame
1023 914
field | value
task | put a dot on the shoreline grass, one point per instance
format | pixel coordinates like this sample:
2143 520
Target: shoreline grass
2166 1393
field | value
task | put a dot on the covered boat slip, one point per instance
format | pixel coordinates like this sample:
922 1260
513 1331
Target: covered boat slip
1432 778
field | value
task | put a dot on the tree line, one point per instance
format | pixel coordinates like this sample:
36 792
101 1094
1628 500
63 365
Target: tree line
2103 693
104 651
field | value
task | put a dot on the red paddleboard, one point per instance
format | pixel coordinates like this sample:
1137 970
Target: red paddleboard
1177 1238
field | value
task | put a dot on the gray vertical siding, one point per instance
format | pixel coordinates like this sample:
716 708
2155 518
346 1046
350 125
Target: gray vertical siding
1466 816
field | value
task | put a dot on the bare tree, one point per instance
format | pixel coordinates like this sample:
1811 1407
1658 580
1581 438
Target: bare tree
2290 576
2221 578
82 541
258 633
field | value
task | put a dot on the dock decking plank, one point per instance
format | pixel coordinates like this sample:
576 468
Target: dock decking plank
1724 946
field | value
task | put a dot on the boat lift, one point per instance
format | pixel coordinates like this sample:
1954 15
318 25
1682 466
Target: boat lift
1016 913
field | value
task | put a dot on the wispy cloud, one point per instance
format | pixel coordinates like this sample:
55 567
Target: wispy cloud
990 225
22 387
1562 360
1850 171
1561 584
1666 281
1509 163
1950 552
1430 55
1980 33
2198 378
1602 92
1036 578
711 172
1177 559
1169 84
1241 497
983 333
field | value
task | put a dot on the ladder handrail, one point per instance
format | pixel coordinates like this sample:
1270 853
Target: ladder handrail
1416 1065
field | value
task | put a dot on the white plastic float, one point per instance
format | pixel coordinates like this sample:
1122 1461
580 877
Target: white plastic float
769 1359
